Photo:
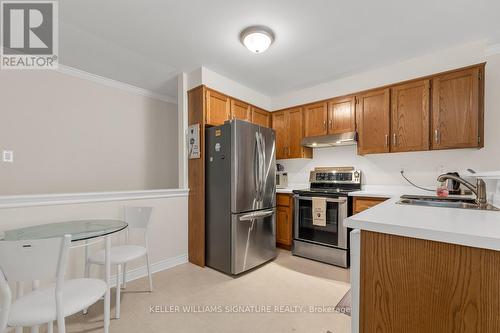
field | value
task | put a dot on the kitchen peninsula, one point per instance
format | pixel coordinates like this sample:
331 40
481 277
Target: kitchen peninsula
426 269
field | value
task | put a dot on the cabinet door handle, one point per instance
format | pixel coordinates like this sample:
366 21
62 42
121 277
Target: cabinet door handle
324 124
387 140
394 140
436 136
330 123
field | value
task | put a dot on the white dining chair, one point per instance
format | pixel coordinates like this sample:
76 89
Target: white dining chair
42 260
137 219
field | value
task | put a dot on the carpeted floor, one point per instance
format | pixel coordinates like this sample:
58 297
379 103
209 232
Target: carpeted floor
291 294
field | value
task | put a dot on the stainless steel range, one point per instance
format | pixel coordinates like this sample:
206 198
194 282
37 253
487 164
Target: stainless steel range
327 241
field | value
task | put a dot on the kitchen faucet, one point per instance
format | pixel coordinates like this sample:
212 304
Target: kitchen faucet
479 189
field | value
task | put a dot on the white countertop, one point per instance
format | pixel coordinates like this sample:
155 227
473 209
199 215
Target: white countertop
378 191
388 191
292 187
450 225
284 190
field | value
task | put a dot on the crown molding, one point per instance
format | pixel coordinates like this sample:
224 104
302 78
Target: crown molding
492 50
114 84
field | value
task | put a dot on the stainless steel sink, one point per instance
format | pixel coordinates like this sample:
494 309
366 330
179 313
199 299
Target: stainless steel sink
448 202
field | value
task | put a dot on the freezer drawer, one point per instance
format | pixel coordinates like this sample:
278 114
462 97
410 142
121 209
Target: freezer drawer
253 239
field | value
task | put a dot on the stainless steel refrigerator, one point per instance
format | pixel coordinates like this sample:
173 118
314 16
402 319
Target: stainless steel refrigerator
240 196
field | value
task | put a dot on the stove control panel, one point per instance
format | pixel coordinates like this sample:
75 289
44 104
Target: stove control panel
335 177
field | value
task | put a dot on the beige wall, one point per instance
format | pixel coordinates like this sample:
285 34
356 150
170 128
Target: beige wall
167 229
70 134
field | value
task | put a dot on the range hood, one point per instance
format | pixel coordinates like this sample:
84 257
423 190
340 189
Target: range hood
333 140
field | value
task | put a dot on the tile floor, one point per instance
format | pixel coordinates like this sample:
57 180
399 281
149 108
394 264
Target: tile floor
287 281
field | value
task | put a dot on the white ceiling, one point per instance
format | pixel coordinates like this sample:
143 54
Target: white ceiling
147 43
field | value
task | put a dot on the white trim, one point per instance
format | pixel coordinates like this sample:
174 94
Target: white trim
182 119
113 83
492 50
159 266
16 201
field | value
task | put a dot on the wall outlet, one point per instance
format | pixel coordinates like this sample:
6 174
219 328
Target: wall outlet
8 156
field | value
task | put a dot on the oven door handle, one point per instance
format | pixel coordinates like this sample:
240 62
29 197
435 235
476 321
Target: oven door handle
339 200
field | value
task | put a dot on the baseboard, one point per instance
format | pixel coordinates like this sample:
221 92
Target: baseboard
159 266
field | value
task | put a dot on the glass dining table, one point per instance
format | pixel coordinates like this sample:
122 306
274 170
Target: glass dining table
80 230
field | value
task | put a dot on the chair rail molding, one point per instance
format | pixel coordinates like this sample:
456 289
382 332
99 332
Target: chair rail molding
16 201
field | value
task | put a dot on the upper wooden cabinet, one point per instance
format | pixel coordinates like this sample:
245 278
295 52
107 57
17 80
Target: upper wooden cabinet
261 117
315 117
440 111
217 108
220 108
289 128
240 110
295 130
457 110
341 115
279 126
334 117
372 117
410 116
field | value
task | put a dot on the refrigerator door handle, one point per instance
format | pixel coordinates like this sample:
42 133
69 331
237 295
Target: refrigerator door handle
263 172
256 170
256 215
259 187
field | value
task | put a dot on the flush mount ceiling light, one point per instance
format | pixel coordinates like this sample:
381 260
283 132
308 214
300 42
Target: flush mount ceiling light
257 38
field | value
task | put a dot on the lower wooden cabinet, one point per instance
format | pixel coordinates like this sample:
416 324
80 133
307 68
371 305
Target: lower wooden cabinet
284 220
414 286
363 203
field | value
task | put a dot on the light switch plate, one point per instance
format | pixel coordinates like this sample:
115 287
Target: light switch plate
8 156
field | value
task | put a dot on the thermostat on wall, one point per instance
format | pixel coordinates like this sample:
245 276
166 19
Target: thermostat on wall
8 156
